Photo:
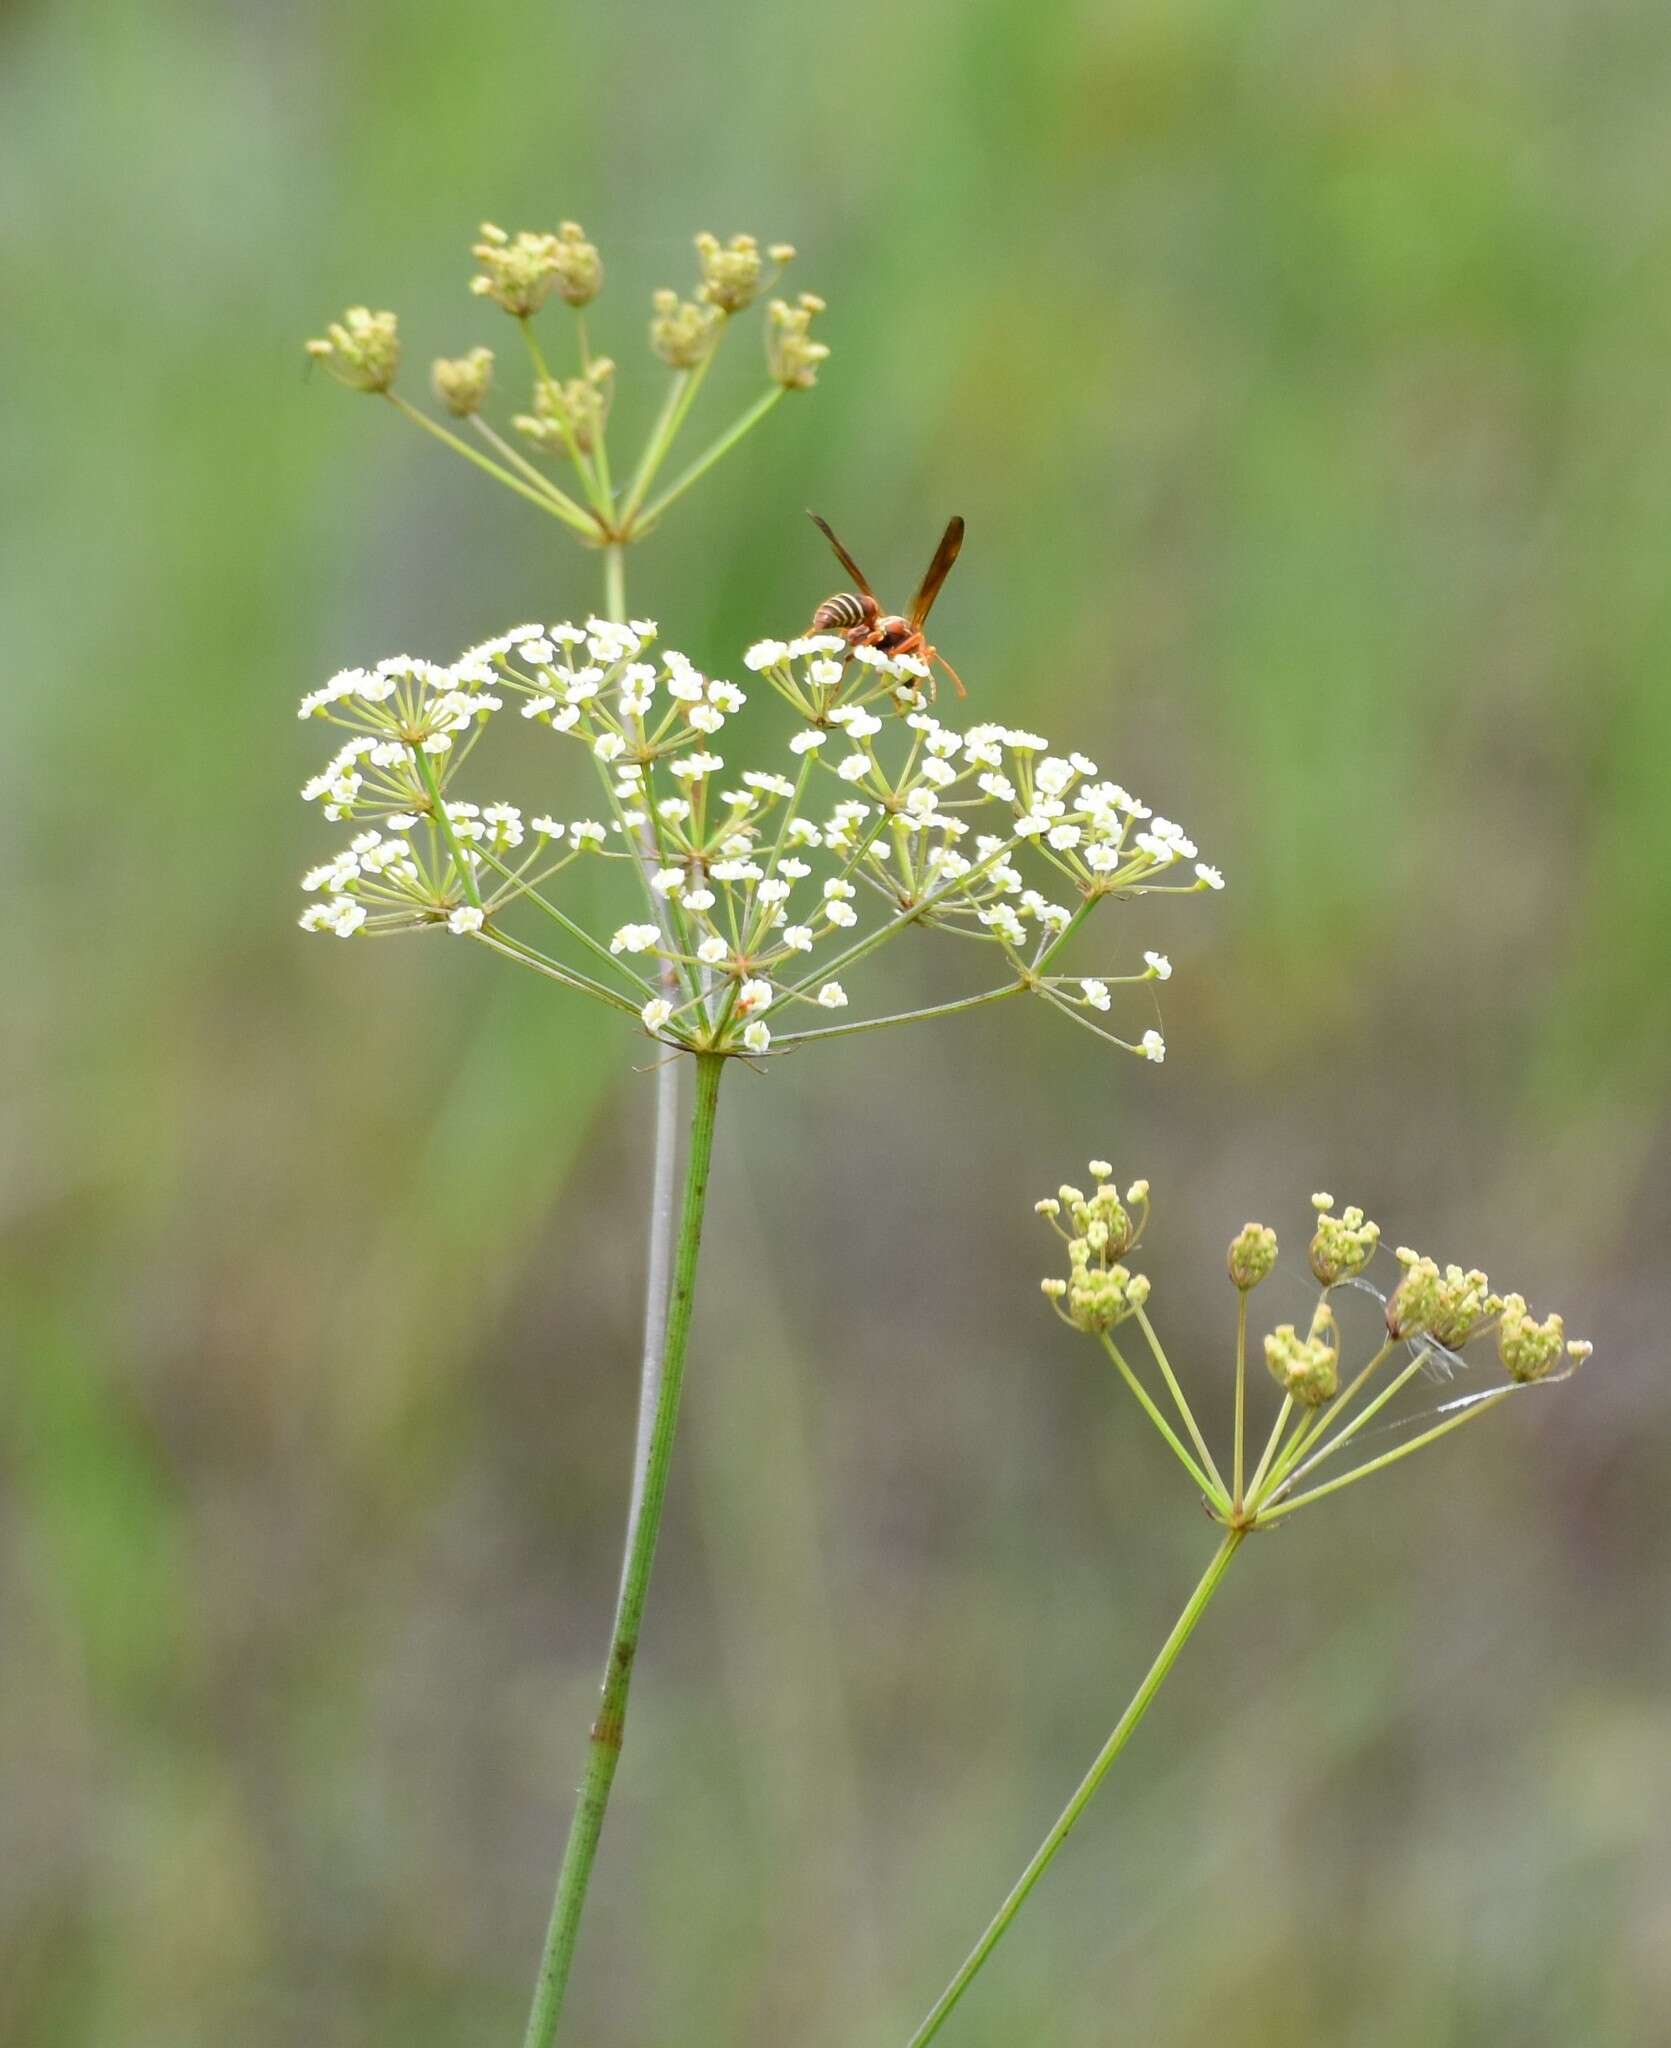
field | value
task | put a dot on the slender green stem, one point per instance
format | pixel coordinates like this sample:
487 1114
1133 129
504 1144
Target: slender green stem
1271 1442
704 462
1314 1453
559 507
438 810
1482 1404
992 995
1186 1413
1214 1493
535 475
1241 1397
680 393
608 1730
615 582
1194 1608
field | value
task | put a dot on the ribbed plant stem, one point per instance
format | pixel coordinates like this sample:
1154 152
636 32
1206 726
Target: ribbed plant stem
1181 1632
644 1523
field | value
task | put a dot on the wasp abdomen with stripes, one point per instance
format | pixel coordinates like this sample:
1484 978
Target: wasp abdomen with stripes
841 613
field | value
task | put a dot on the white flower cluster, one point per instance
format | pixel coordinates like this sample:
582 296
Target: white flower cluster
754 886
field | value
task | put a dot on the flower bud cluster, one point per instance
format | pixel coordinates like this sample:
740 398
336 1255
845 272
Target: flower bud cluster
731 271
521 272
792 356
361 350
1098 1230
1308 1367
682 331
1343 1245
1252 1255
569 414
463 382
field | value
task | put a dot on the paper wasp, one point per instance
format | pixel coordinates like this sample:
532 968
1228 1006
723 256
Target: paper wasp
860 620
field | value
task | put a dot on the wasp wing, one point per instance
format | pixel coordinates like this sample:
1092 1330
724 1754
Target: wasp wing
842 556
938 570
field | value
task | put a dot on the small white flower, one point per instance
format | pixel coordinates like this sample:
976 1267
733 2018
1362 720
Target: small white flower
586 832
798 938
1096 993
765 654
757 1036
466 918
752 996
1159 966
609 746
727 696
656 1013
772 890
1152 1046
705 718
804 742
825 674
536 706
635 938
835 886
713 950
841 913
1062 837
832 996
668 881
699 899
547 828
1211 876
854 768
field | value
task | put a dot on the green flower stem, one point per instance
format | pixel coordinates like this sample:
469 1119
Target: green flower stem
549 500
1236 1493
516 460
530 956
1271 1442
1313 1457
1482 1405
608 1730
992 995
589 475
1213 1491
681 396
1303 1444
615 582
1194 1608
438 811
575 931
704 462
1186 1413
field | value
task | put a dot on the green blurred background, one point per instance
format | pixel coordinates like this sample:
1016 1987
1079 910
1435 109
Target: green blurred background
1301 371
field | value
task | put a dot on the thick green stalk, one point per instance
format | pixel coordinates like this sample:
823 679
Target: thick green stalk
608 1730
1182 1630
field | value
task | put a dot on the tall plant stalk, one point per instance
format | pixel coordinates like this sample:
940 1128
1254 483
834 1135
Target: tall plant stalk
644 1525
1124 1729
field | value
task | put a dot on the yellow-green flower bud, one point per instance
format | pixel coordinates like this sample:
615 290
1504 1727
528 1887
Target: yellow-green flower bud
1449 1307
361 350
521 274
1343 1244
462 382
1307 1367
681 331
574 411
792 356
730 271
1528 1349
579 268
1252 1255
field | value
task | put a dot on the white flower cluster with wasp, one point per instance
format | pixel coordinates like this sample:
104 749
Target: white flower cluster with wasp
754 890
